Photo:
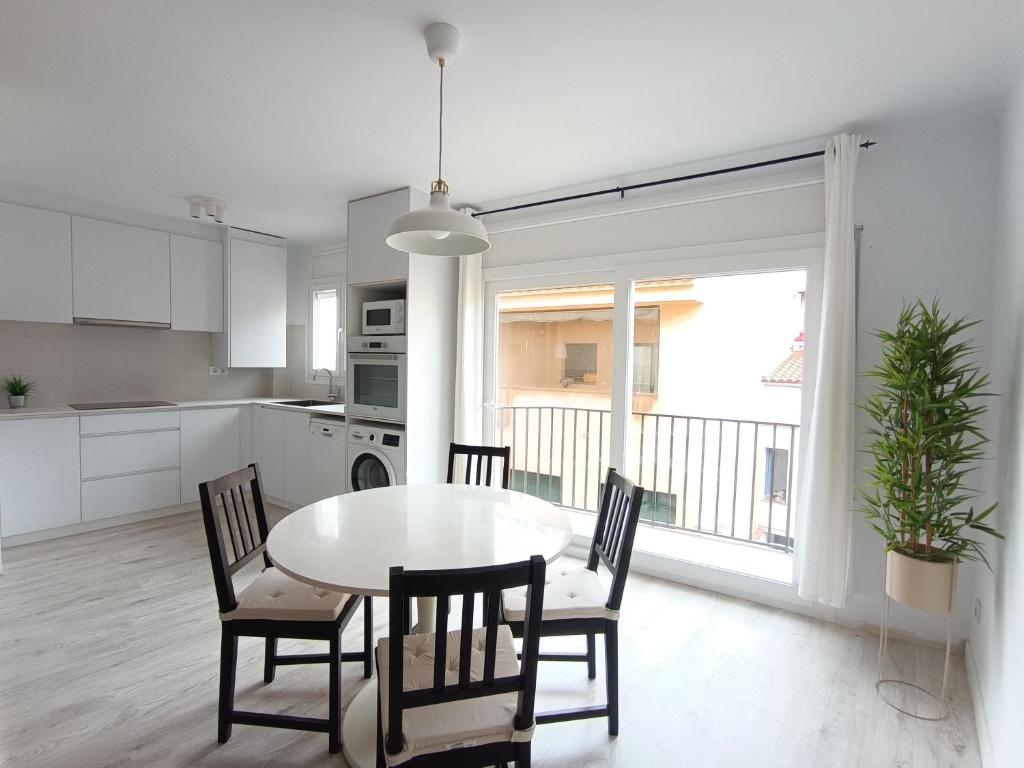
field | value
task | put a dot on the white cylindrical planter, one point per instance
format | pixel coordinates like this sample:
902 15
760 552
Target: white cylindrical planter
926 586
16 401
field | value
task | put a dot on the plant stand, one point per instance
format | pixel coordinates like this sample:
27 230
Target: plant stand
885 687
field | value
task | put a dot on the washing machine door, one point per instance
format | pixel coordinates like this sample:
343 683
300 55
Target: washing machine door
371 469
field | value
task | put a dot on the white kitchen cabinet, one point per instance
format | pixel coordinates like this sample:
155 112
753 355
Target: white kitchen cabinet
197 284
270 450
296 457
39 474
128 494
137 421
209 447
256 292
120 272
35 264
370 259
105 455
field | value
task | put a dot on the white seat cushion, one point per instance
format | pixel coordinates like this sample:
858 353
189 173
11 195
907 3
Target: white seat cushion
276 596
440 727
570 593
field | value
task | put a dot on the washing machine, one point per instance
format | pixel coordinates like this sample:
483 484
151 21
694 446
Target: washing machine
376 456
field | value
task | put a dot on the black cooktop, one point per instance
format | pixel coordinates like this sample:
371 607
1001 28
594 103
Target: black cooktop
107 406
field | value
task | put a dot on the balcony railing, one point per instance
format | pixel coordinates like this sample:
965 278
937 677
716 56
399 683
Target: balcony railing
724 477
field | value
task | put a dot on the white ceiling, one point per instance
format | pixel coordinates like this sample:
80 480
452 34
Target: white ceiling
289 109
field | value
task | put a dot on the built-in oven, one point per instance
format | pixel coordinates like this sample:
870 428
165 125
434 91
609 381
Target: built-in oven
384 317
376 385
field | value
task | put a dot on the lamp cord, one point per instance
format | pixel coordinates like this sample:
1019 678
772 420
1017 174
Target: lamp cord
440 121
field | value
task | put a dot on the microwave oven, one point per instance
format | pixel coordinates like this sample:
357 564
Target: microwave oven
383 317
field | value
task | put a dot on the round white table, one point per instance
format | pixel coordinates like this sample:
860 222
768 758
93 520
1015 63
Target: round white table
349 543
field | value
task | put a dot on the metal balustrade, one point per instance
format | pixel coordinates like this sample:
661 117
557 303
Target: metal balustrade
731 478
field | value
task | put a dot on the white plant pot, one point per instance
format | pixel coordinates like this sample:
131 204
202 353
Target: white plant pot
921 584
16 401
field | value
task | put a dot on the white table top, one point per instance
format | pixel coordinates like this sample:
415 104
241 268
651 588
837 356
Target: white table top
348 543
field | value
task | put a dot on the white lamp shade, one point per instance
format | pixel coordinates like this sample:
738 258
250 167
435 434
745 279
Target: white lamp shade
437 230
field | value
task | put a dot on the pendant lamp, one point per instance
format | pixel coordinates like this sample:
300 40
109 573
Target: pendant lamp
438 230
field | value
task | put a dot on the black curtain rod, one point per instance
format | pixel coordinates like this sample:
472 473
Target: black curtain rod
621 191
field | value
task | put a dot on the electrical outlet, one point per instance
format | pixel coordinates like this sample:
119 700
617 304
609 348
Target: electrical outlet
218 371
977 610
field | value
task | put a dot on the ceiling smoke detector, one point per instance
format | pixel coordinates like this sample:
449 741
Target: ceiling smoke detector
211 207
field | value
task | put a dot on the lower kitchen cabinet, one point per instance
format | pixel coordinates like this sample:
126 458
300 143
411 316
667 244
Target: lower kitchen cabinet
125 495
210 447
296 457
39 475
282 450
269 429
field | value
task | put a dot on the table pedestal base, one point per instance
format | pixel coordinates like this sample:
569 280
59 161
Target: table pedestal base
359 728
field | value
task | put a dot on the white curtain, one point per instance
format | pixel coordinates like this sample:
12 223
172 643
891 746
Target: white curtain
469 352
823 528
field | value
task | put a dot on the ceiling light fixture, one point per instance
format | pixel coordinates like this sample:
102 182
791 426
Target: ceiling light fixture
208 206
437 230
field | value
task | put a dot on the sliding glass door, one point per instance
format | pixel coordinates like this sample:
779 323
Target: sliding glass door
688 375
552 388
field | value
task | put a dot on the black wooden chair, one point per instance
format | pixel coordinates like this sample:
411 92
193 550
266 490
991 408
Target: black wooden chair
273 606
577 603
487 717
481 454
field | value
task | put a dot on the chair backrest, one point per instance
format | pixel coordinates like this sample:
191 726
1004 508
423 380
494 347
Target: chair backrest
236 527
616 527
482 454
467 583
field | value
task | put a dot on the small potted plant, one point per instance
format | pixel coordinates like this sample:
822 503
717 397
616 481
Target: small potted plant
17 390
925 440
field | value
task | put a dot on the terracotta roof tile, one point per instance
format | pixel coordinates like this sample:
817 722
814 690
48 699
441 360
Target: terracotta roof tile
789 372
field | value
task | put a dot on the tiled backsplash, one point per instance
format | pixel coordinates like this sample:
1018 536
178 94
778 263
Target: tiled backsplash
78 363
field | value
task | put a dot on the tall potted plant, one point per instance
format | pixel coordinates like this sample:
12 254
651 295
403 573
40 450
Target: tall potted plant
925 440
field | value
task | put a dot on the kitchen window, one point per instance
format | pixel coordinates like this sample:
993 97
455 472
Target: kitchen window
325 333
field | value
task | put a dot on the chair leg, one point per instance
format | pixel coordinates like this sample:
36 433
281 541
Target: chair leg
523 758
611 653
226 704
591 656
380 734
334 691
368 636
269 659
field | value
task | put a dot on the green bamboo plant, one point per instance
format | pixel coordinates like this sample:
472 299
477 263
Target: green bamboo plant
926 438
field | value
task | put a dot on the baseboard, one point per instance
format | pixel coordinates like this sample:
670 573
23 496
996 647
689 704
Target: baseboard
988 759
95 525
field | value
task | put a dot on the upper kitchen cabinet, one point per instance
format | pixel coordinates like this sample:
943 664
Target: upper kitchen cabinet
35 260
197 284
370 259
120 272
256 297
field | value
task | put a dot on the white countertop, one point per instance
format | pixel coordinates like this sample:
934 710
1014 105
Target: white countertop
349 542
51 411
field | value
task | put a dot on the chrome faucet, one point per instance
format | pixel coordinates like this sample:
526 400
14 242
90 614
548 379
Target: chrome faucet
332 393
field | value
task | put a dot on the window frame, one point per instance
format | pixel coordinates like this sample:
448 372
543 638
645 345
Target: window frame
319 284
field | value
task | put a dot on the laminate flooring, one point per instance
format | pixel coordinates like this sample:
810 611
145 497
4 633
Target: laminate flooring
109 654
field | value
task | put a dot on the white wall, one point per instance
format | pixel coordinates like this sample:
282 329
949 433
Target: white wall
927 199
298 285
997 641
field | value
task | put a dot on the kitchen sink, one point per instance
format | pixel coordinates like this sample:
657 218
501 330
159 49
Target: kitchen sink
304 403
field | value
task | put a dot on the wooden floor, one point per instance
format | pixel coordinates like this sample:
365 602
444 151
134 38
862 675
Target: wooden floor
109 647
